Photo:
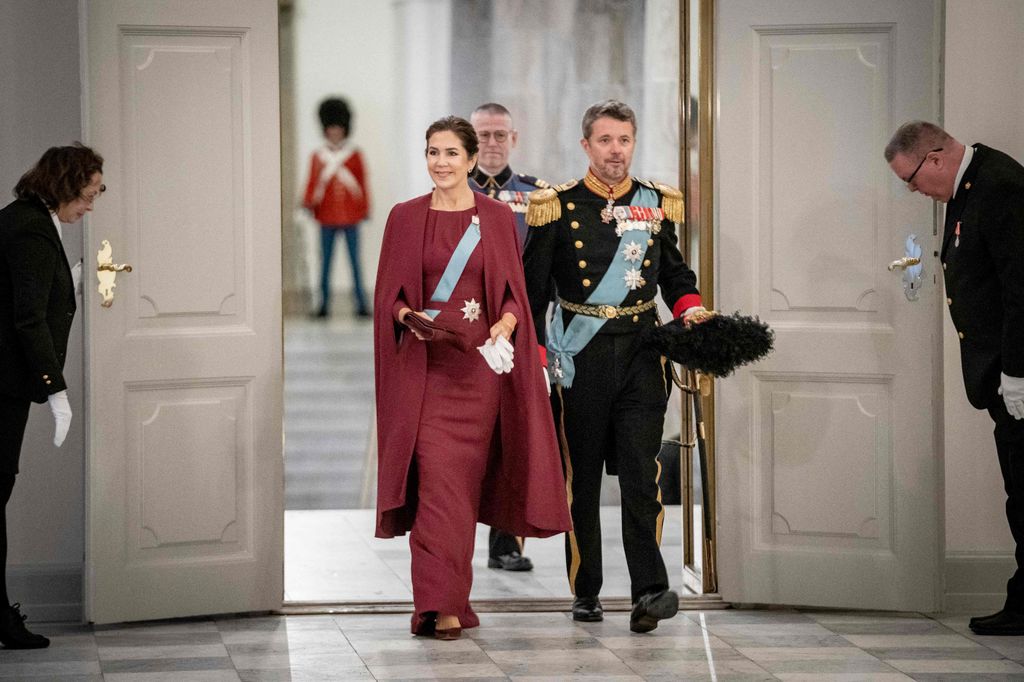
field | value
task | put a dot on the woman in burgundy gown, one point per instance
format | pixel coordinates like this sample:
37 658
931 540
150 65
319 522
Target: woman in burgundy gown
458 441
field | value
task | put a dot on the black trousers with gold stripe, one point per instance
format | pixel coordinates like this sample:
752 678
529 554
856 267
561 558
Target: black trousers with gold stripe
614 413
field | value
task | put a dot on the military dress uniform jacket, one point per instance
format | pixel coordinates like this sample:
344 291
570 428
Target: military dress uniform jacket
576 248
513 189
983 265
37 302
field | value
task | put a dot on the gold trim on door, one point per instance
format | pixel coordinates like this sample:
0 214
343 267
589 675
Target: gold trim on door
697 242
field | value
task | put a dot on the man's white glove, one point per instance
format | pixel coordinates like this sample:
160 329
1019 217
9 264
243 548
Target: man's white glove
61 409
76 277
1012 390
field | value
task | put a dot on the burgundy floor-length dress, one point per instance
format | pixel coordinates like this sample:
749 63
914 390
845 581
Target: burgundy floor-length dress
456 427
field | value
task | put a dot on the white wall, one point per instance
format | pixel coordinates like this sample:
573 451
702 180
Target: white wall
41 108
348 48
984 102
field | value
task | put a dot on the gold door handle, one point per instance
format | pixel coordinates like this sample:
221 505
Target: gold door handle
110 267
904 263
106 273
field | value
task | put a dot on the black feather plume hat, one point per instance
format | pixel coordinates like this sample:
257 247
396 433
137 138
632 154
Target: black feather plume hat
717 346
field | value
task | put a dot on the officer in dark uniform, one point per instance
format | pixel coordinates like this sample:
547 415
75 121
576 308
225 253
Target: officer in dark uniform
609 241
494 178
983 266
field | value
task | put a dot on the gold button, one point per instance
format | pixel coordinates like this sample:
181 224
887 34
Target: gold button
960 334
636 318
48 382
943 266
579 244
586 282
650 242
570 206
575 225
46 376
647 263
967 185
949 301
639 301
583 263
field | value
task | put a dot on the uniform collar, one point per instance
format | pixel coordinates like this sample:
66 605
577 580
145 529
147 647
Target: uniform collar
964 163
598 187
56 223
492 182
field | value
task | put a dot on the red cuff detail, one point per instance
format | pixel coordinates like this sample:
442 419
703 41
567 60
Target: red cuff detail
684 303
543 356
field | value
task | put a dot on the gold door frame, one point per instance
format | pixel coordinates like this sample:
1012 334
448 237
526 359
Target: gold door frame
696 163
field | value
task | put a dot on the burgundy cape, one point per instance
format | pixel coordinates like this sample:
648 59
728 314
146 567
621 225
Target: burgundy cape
524 489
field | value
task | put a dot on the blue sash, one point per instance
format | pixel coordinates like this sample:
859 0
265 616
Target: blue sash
563 343
456 266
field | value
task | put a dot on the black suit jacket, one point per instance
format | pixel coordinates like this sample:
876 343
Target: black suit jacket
984 271
37 302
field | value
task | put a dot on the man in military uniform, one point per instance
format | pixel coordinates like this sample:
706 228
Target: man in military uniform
609 241
983 266
493 176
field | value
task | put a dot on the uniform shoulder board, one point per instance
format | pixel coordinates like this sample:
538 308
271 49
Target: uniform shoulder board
566 185
544 207
671 202
531 180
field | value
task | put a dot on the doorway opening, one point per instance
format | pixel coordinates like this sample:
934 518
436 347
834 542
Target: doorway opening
332 559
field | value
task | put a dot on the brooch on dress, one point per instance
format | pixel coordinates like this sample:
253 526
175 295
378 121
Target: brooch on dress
471 311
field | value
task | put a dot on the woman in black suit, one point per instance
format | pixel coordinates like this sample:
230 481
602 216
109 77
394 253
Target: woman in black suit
37 305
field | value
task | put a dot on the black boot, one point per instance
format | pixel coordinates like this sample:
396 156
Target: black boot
13 633
587 609
650 608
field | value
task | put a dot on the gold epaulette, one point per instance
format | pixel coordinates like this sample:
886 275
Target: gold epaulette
544 206
671 202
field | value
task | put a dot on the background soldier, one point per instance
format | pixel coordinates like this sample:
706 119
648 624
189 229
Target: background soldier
609 241
493 176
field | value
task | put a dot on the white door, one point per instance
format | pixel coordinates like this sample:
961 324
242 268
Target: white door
184 465
829 468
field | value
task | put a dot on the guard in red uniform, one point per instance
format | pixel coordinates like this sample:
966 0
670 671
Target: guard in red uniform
336 194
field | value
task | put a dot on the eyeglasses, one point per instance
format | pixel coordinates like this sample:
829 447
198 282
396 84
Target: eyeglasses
498 135
91 198
912 175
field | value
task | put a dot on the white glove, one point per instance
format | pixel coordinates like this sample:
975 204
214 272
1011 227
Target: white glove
547 379
490 354
76 277
1012 390
506 351
61 409
498 358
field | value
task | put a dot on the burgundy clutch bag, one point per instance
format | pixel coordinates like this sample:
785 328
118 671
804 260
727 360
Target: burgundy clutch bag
432 331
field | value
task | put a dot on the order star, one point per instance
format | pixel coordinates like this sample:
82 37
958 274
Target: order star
471 311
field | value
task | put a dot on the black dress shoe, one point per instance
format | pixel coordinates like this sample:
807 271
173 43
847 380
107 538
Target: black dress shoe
587 609
511 562
980 619
1004 623
650 608
13 633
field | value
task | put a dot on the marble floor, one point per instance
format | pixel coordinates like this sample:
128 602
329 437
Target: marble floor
777 644
332 556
